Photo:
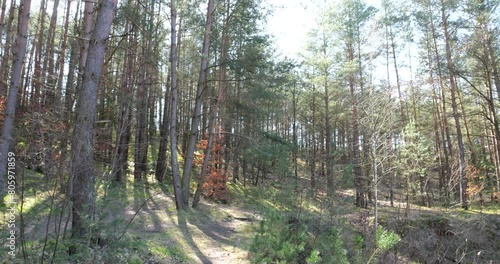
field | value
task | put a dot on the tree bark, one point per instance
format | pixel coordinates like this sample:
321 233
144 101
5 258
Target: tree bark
82 177
10 109
179 201
50 94
164 130
6 55
358 172
38 78
456 115
195 121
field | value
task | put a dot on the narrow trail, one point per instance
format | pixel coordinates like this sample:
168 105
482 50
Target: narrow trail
212 233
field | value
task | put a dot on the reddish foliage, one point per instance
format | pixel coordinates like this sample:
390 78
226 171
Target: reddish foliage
3 102
214 186
475 182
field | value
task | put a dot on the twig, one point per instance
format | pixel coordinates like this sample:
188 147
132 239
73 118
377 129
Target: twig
136 212
21 228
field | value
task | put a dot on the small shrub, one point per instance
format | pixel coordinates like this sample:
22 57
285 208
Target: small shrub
275 243
386 240
281 239
314 257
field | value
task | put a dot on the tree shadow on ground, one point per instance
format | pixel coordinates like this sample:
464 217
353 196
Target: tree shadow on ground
182 221
219 233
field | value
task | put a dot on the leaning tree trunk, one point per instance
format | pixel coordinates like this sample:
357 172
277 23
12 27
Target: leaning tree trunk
195 122
82 177
10 110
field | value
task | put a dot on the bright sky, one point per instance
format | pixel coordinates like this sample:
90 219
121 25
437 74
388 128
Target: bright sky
290 23
292 20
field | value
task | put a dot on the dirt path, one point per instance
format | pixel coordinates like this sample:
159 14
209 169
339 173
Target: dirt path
223 241
212 233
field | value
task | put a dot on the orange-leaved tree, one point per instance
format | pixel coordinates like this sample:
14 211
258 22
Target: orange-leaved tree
214 182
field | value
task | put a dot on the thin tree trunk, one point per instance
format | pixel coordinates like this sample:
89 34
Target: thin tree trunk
456 116
4 73
447 144
2 19
195 122
62 56
358 172
179 201
391 121
70 91
141 145
123 133
208 151
295 143
314 144
38 79
164 130
50 94
68 106
10 109
398 82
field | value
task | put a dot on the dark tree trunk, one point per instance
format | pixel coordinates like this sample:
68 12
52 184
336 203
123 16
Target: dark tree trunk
10 109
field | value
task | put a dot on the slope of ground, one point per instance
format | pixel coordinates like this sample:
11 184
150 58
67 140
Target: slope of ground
136 224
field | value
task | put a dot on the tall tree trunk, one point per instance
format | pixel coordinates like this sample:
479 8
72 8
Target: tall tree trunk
313 157
195 122
398 82
69 98
62 56
4 73
2 20
179 201
50 94
164 129
82 177
390 138
358 172
141 145
10 109
67 109
86 33
208 150
456 115
123 133
447 144
294 136
38 79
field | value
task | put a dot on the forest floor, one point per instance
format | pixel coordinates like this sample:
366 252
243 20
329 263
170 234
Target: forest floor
211 233
135 224
139 224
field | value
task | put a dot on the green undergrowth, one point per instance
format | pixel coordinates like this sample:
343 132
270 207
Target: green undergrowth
297 229
117 232
281 238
